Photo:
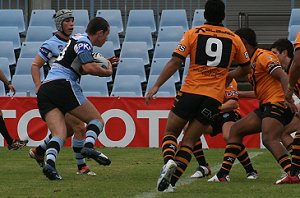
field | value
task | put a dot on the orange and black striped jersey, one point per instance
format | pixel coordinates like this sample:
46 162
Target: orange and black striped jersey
297 47
212 50
267 88
231 93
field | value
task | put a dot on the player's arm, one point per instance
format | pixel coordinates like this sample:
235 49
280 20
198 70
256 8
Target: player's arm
171 67
240 71
91 67
247 94
36 65
229 105
5 81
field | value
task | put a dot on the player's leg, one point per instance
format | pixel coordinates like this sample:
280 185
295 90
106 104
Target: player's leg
247 125
78 127
88 113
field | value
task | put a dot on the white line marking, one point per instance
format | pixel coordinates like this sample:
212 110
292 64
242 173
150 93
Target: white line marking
187 180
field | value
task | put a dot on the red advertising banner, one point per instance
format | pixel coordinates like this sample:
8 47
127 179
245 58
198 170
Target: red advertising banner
129 121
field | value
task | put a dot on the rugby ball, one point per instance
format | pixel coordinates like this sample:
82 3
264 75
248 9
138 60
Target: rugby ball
98 58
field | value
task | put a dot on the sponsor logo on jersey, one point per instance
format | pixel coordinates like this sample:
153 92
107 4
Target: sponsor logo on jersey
82 46
60 47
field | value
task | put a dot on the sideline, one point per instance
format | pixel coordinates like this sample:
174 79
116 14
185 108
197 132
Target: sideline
187 180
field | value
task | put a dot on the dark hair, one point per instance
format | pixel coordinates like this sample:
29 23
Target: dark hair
214 11
284 44
96 24
248 34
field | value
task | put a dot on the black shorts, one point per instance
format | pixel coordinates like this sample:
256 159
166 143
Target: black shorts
222 118
276 111
56 94
192 106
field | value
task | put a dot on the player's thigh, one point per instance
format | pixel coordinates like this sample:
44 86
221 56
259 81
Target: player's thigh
86 112
56 123
249 124
175 124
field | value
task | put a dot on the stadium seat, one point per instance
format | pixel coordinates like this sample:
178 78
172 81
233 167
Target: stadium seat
114 37
127 85
24 85
158 65
174 17
142 18
81 17
132 66
11 34
42 18
38 33
294 18
94 86
30 49
7 50
294 30
170 34
113 16
198 18
164 49
135 50
4 66
139 34
107 50
2 90
78 29
12 17
168 89
24 67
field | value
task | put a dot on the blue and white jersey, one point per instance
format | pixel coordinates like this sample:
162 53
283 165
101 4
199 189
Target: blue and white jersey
68 65
51 48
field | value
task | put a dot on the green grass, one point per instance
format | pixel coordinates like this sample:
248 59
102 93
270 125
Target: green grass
133 173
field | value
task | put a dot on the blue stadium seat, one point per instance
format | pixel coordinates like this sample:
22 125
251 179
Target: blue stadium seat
24 67
107 50
81 17
12 17
170 34
94 85
2 90
4 66
114 37
139 34
113 16
127 85
174 17
158 65
11 34
198 18
7 50
38 33
24 85
42 18
294 18
132 66
142 18
164 49
135 50
294 30
78 29
30 49
168 89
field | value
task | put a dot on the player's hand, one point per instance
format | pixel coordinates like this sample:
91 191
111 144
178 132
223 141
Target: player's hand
12 88
291 104
150 94
113 60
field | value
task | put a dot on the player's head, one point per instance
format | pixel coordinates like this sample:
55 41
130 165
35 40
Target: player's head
98 28
283 45
62 16
248 35
214 11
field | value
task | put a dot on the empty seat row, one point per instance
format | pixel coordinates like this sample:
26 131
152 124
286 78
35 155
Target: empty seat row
136 18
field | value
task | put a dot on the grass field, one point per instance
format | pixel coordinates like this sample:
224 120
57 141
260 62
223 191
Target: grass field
133 173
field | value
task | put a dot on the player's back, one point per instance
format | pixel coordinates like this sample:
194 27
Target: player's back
212 49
